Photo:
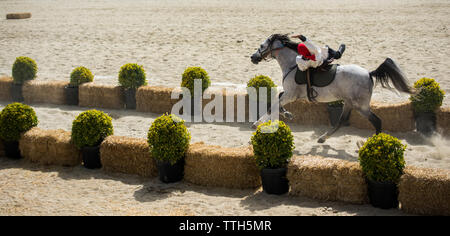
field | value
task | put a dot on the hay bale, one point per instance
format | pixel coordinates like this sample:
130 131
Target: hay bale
395 117
5 88
443 121
22 15
44 92
217 166
154 99
49 147
425 191
308 113
127 155
327 179
101 96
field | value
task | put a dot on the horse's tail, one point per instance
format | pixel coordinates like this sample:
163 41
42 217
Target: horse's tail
389 70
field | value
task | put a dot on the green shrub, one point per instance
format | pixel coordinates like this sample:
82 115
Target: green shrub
168 138
262 81
132 76
338 103
193 73
15 119
429 96
381 158
24 68
272 144
90 128
80 75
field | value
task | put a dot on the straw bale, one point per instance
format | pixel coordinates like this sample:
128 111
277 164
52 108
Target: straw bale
5 88
44 92
101 96
22 15
308 113
127 155
217 166
425 191
443 121
327 179
154 99
395 117
49 147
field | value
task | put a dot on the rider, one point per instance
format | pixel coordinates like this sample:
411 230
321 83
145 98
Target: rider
313 56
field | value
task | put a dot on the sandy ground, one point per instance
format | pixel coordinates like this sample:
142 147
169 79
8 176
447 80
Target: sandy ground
30 189
168 36
421 152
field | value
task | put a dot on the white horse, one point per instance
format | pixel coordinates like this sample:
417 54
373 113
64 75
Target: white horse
352 84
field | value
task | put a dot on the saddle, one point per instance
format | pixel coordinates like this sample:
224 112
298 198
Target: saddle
317 77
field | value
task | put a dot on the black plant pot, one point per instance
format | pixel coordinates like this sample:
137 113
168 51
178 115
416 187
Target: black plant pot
16 93
71 95
12 149
383 194
170 173
274 181
130 98
426 123
91 157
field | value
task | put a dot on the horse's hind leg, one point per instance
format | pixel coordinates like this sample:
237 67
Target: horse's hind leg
345 115
374 119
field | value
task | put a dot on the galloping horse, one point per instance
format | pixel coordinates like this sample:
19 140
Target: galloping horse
352 83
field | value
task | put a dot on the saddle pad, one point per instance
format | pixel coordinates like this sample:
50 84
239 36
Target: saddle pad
319 78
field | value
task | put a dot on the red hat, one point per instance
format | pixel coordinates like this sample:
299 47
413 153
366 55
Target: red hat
303 50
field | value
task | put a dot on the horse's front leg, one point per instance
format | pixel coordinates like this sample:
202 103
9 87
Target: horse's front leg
283 99
345 115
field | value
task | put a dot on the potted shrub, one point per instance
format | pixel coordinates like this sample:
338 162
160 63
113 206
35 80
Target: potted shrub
131 77
15 119
257 82
381 159
24 68
89 129
425 102
188 80
169 139
335 109
272 147
79 75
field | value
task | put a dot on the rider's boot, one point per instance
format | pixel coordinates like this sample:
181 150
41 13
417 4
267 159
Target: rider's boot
339 52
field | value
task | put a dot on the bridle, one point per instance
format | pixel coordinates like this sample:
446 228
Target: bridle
270 49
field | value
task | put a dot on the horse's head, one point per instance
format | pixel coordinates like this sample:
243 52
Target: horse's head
268 47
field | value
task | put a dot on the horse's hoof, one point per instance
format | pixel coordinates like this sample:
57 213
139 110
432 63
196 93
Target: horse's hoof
321 140
288 115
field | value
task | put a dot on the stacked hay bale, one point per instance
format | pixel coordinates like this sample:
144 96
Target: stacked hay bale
308 113
101 96
23 15
154 99
127 155
443 121
217 166
395 117
44 92
327 179
5 88
425 191
49 147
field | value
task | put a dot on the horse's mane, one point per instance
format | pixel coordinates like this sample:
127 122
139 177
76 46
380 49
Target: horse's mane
285 40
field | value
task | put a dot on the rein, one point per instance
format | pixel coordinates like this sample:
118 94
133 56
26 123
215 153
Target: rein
290 70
